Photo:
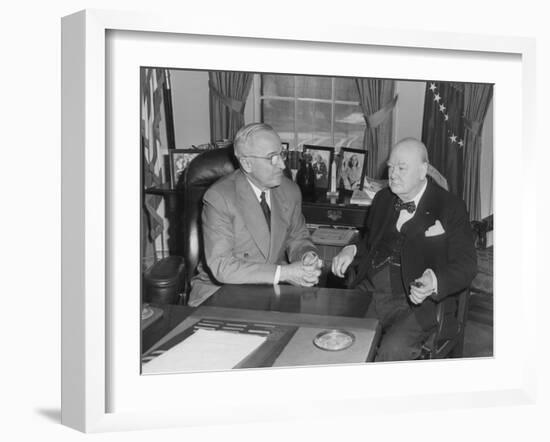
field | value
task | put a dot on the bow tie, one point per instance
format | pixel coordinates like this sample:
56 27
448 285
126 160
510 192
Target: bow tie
409 207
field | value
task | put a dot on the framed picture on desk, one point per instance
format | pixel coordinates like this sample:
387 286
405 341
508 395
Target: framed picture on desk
320 158
351 172
179 160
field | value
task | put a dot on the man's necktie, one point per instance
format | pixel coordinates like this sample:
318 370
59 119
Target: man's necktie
409 207
265 209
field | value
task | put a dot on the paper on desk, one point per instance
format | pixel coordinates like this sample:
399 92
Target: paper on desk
205 350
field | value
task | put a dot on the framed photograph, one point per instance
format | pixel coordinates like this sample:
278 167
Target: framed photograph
352 168
320 158
103 388
179 160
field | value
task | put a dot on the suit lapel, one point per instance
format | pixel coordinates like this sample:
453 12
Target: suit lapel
252 214
389 216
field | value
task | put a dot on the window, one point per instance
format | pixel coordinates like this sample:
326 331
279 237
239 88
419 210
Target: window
323 111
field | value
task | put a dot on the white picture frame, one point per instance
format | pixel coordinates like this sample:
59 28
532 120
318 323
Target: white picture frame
92 317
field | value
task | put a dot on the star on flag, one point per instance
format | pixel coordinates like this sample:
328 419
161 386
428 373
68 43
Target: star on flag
437 97
453 138
442 108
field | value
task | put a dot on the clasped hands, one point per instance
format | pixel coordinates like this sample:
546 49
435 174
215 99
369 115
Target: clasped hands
303 273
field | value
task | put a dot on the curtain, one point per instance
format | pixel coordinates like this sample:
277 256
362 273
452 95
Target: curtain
477 98
376 98
442 130
228 93
151 99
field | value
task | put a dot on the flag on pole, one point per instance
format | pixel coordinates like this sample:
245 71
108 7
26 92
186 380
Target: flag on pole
152 82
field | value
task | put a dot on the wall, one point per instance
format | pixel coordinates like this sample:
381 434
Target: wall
190 104
409 109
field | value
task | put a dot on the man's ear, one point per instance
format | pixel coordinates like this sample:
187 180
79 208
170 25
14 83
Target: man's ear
423 171
245 164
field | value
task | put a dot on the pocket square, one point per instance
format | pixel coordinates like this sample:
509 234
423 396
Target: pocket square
435 230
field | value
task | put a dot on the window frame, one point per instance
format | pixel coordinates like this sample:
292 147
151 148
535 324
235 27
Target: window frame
294 144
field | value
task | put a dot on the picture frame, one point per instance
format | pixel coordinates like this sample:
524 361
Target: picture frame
321 158
98 375
179 160
352 168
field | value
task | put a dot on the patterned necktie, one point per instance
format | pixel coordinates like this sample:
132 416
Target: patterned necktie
409 207
265 209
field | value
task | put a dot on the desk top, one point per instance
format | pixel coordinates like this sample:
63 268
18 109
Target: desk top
297 315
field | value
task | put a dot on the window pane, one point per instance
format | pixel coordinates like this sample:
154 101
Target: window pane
346 90
279 114
278 85
349 126
314 87
313 123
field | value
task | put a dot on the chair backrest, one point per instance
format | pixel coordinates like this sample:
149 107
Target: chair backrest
203 171
436 176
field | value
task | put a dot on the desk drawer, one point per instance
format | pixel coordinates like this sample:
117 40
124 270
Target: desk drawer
335 215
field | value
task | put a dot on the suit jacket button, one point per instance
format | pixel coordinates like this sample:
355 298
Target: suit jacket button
246 255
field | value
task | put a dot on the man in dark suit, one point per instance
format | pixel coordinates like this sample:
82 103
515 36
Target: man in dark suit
253 228
417 249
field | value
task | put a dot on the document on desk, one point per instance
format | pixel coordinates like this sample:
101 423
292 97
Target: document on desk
205 350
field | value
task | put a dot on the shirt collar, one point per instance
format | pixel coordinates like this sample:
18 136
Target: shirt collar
416 199
258 191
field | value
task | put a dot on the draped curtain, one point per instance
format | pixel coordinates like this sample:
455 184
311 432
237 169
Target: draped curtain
377 102
477 98
443 109
228 93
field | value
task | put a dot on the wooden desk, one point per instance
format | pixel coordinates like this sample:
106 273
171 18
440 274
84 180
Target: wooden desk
335 211
298 314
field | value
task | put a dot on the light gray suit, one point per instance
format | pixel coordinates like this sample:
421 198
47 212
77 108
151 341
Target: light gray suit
238 246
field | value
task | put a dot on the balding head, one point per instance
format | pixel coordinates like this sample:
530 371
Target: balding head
407 168
415 146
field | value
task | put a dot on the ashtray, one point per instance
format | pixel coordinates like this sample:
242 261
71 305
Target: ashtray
334 340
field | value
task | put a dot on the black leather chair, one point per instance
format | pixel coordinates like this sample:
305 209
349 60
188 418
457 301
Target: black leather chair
168 280
201 173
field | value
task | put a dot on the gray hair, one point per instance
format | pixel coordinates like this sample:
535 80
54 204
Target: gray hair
245 133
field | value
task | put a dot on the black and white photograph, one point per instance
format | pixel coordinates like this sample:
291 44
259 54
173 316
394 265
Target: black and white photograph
179 160
320 158
241 288
352 168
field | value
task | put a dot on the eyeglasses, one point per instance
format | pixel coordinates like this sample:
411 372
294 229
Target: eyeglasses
282 155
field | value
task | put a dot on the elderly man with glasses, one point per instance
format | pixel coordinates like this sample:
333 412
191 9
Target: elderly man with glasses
253 228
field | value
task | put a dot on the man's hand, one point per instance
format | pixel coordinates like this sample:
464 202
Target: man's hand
311 259
423 287
300 274
341 262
